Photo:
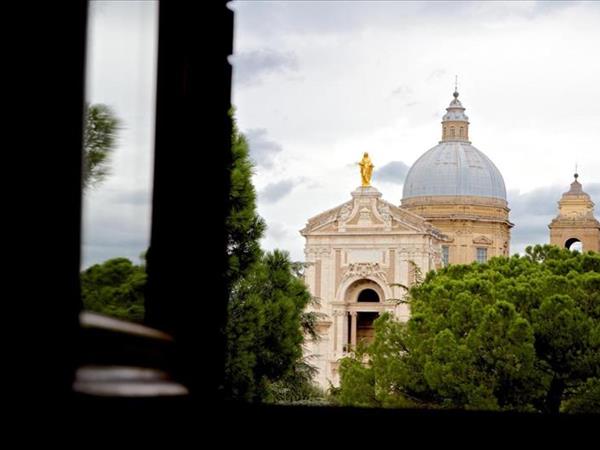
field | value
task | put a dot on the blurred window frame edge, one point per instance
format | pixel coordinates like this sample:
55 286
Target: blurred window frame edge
182 109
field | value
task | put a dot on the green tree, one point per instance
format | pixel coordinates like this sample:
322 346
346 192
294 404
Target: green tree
297 385
244 226
518 333
266 317
264 331
115 288
99 138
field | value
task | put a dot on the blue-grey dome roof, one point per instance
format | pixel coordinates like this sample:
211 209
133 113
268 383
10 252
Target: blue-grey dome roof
454 168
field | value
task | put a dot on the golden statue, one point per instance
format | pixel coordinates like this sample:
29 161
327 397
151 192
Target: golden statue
366 169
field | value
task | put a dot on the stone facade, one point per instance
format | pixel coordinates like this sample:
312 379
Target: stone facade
470 222
363 245
575 221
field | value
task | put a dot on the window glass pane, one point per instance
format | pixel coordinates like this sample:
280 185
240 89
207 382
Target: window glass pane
481 255
118 147
445 255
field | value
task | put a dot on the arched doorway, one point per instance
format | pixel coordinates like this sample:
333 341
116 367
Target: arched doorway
574 244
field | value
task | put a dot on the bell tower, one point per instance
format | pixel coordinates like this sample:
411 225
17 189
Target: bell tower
575 221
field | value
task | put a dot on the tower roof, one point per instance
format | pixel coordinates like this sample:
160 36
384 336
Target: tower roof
576 187
455 111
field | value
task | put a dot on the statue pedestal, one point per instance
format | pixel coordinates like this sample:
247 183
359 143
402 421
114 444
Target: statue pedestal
366 191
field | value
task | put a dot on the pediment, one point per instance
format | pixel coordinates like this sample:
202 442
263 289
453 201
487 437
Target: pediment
369 214
483 240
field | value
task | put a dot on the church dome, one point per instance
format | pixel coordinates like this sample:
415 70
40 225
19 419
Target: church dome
454 167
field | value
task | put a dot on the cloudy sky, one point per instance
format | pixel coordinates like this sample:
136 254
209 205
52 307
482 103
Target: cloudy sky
318 83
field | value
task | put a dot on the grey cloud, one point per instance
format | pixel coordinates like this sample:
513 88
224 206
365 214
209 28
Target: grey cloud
541 7
300 17
276 191
97 254
531 212
115 225
540 201
271 20
277 231
393 172
262 150
340 18
251 66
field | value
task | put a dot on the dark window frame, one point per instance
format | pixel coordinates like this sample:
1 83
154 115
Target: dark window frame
193 95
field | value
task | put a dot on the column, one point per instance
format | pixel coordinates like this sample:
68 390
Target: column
344 330
336 314
354 327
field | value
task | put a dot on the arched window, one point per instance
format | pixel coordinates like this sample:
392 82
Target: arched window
368 295
461 131
452 134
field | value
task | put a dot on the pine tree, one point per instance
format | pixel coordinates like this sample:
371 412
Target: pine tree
519 333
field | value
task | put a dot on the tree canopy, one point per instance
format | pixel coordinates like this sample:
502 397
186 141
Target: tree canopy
519 333
244 226
115 288
266 318
264 327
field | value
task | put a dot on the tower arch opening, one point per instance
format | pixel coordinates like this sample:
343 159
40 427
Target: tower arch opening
574 244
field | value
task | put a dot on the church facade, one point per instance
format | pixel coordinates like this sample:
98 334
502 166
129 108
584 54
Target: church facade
365 252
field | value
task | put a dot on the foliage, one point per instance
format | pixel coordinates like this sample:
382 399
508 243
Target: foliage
297 387
586 398
519 333
244 226
115 288
99 137
267 320
264 335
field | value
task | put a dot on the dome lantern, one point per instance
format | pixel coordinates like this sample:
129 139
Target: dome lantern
455 123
